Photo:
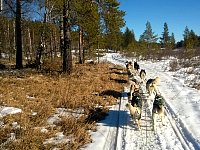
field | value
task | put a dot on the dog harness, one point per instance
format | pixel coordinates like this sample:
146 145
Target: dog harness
136 100
159 100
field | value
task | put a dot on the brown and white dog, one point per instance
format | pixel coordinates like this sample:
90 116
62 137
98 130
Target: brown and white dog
158 110
151 85
135 108
129 65
135 114
131 71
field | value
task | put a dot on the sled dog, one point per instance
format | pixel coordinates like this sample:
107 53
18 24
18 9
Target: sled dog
158 110
151 85
135 108
129 69
142 75
134 87
129 65
136 66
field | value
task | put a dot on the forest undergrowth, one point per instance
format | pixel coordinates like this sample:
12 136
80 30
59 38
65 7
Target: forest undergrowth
84 96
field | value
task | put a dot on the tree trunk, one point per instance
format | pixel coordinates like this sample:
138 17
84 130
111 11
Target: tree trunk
18 35
30 45
97 50
54 43
51 48
61 35
8 47
39 52
14 39
1 5
80 45
67 56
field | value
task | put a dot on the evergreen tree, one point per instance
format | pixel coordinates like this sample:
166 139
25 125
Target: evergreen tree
190 38
87 20
112 22
128 37
172 41
186 33
148 35
194 39
186 37
165 39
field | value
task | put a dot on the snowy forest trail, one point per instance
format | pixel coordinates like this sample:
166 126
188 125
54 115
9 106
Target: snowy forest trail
119 133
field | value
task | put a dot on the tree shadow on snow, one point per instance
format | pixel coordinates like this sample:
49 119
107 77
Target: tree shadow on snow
121 119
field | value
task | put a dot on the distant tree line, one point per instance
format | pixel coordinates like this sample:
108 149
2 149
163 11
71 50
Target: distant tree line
150 44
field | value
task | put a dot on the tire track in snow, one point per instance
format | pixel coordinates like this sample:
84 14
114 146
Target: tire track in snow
181 131
187 140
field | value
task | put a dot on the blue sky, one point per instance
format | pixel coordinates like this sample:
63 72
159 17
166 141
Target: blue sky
176 13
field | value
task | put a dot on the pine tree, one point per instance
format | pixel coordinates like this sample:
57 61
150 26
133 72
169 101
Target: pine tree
186 37
194 39
172 41
128 37
190 38
112 22
165 39
148 35
87 20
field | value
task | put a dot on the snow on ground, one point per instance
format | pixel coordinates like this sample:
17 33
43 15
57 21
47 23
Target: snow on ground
8 110
181 122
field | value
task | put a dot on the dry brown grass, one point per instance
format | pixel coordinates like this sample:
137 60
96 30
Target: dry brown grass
39 95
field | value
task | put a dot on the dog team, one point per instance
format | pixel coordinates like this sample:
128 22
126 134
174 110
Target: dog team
137 78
